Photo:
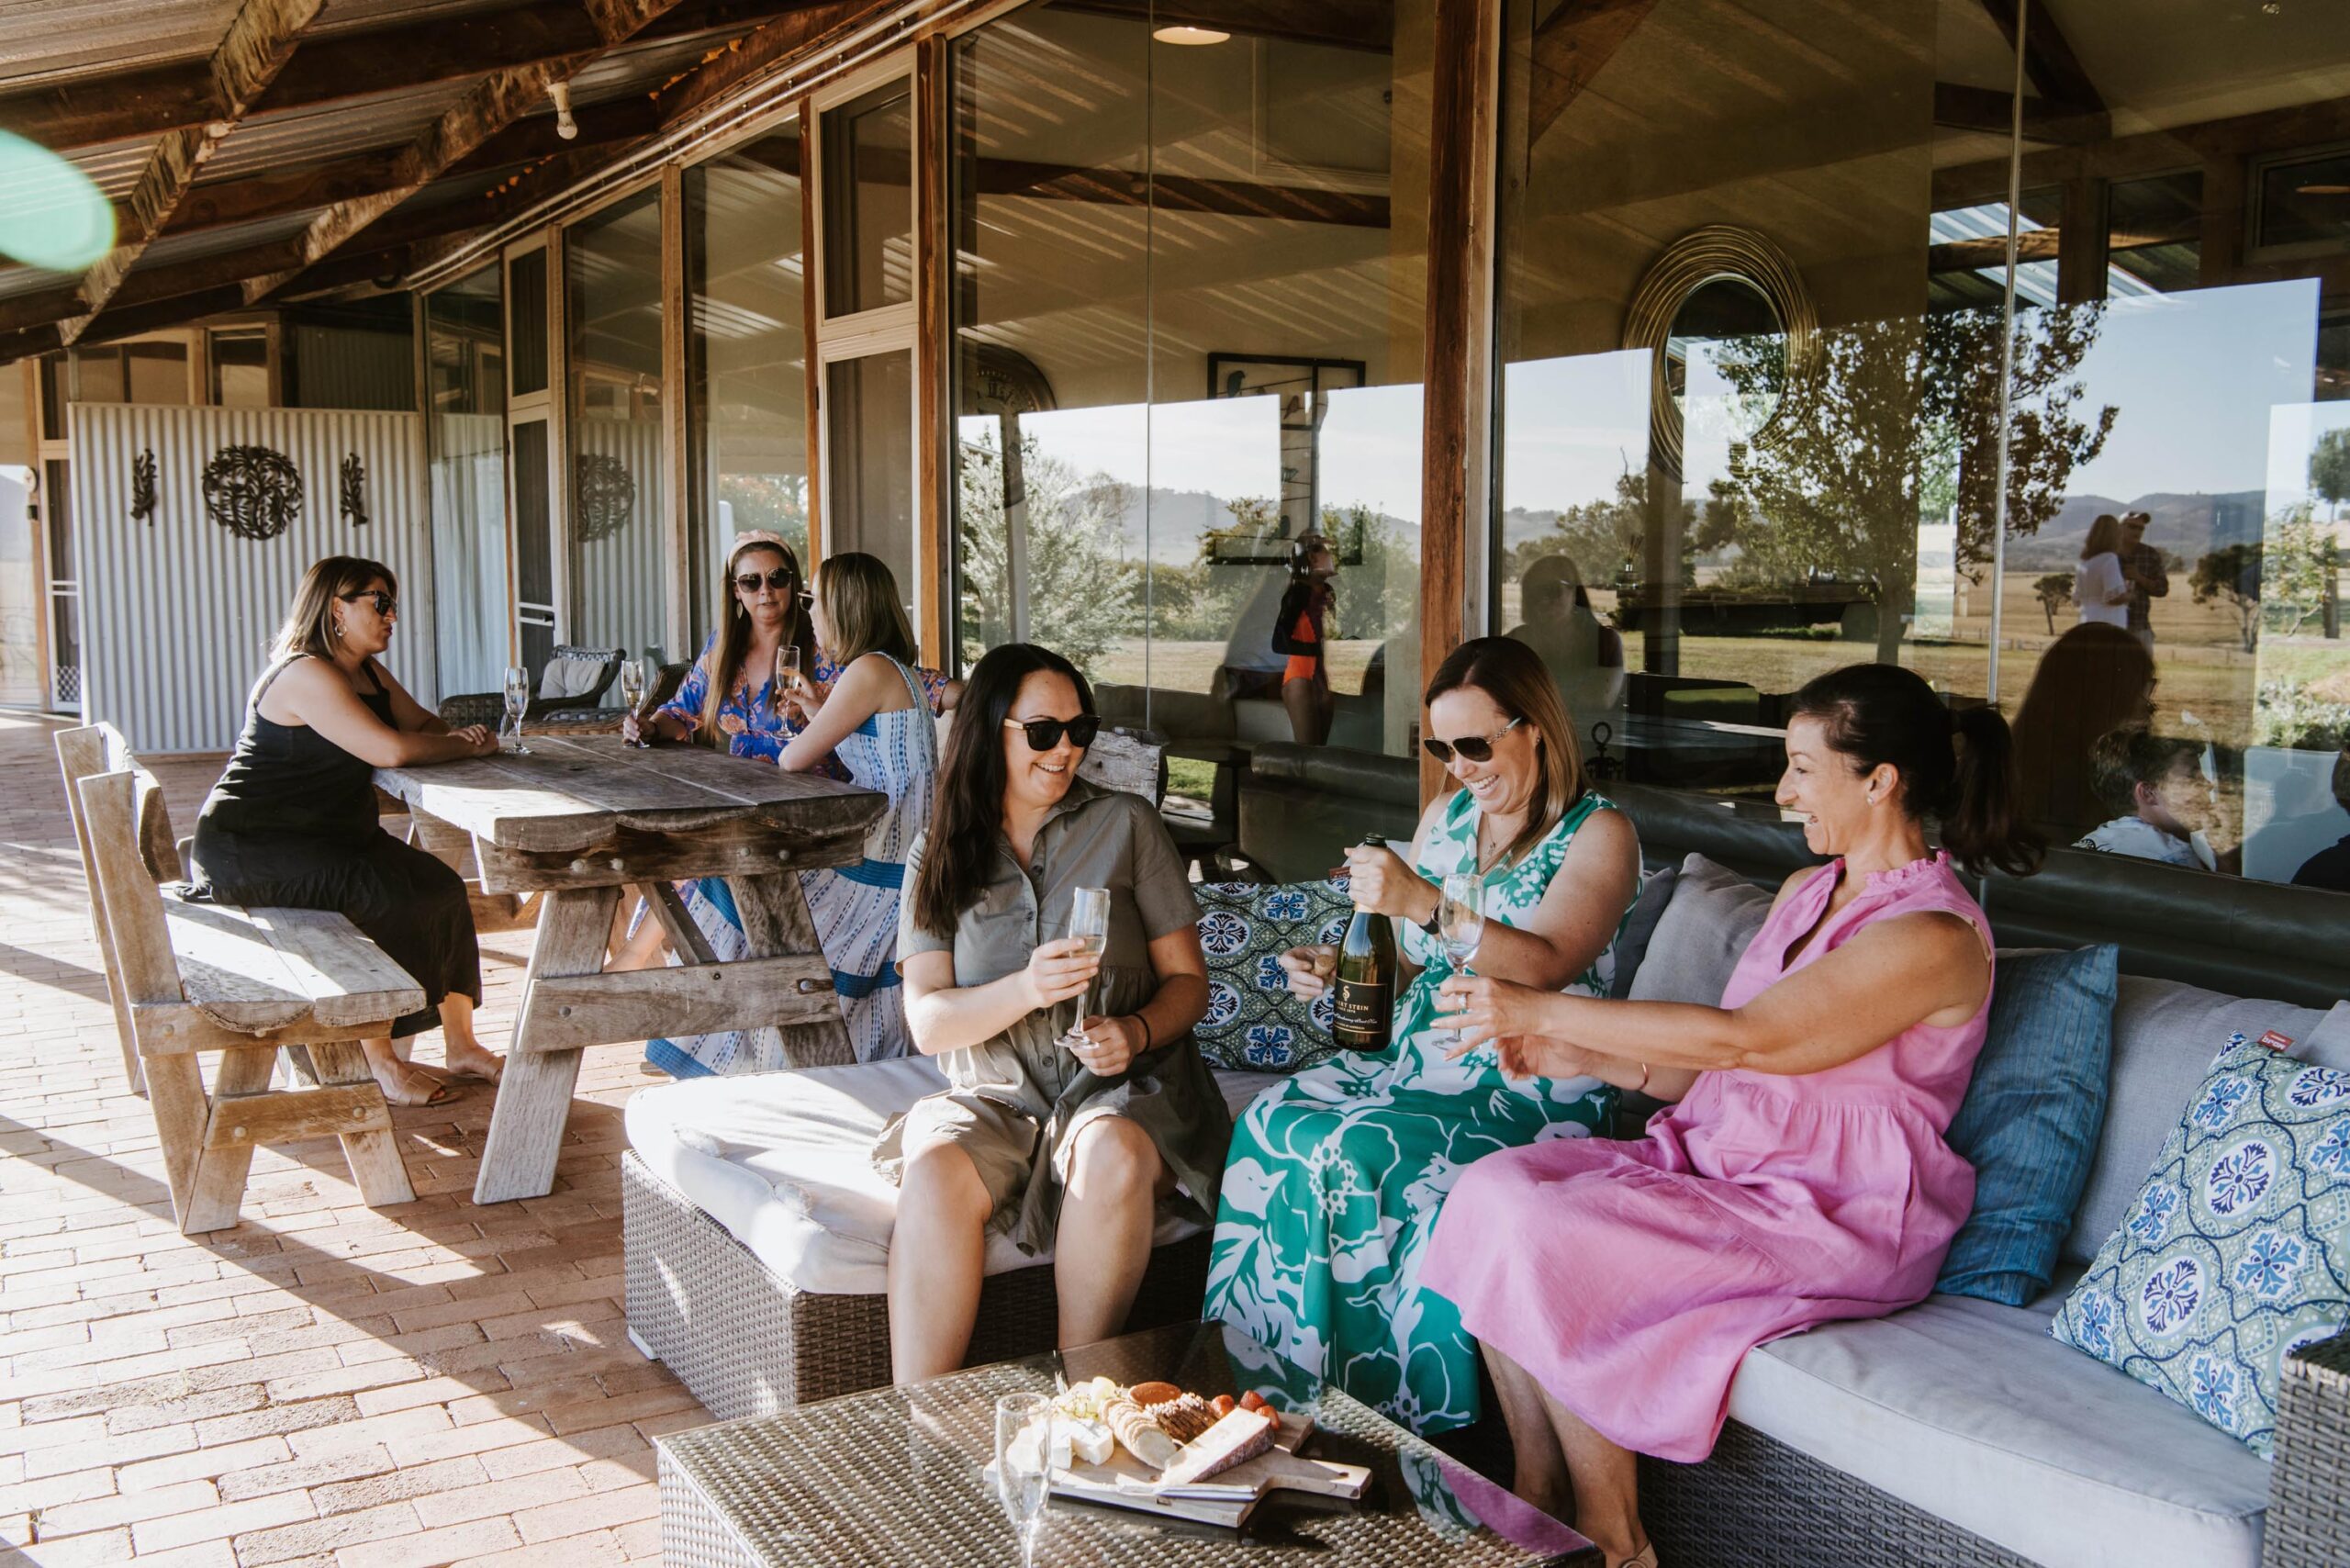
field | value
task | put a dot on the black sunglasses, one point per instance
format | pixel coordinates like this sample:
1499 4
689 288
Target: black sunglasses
385 603
1044 734
779 579
1476 748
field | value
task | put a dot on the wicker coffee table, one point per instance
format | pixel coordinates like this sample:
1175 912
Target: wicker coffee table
893 1475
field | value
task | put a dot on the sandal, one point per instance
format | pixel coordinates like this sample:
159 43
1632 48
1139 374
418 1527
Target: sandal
402 1091
487 1070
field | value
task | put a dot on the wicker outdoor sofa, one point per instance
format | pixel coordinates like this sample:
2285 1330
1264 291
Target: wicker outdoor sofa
1955 1433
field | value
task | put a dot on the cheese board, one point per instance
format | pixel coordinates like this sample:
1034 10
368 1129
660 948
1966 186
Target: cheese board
1225 1495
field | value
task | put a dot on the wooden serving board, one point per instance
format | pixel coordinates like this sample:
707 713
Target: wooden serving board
1226 1498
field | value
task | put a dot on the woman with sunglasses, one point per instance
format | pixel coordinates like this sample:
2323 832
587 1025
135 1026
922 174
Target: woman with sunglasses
291 822
1068 1139
875 722
1335 1179
729 697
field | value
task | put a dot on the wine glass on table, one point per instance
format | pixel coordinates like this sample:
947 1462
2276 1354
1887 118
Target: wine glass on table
1024 1431
518 702
1461 920
1088 922
631 688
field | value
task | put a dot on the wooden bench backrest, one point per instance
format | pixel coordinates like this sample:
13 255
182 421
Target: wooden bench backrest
100 748
139 946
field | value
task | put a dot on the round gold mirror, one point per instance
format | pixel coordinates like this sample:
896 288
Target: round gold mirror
1731 335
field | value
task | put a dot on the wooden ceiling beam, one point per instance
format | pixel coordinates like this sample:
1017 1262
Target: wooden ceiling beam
498 101
528 141
258 44
2048 57
1961 108
2150 152
1569 49
137 105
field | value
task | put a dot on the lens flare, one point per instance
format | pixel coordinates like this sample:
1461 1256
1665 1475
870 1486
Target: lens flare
51 215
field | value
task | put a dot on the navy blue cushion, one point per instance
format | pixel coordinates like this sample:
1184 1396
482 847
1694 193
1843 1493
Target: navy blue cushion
2031 1120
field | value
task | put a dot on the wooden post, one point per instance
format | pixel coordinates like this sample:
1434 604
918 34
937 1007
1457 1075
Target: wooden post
808 314
934 353
2081 242
677 456
1457 405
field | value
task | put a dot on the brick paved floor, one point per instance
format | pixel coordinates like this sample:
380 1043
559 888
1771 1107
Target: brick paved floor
325 1384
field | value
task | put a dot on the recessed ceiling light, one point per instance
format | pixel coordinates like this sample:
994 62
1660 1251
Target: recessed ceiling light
1193 37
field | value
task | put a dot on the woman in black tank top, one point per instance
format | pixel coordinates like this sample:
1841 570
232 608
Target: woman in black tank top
291 822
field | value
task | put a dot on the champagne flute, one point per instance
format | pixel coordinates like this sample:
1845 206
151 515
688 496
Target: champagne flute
631 688
518 702
1088 922
1023 1429
1460 921
786 671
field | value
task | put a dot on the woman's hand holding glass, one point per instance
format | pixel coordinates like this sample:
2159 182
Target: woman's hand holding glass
1479 1008
1059 972
1310 970
1108 1046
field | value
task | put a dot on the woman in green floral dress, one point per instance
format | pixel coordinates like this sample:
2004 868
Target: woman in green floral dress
1334 1181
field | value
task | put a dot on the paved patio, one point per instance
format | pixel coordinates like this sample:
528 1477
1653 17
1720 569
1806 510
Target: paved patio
325 1384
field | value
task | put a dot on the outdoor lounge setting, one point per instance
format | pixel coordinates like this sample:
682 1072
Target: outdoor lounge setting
1078 782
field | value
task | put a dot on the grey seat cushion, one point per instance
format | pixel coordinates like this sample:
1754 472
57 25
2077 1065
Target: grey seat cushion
2164 1035
784 1160
1970 1411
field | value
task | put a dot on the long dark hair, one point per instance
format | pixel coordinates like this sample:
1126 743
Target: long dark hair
308 627
2093 679
1514 676
734 635
1960 768
968 815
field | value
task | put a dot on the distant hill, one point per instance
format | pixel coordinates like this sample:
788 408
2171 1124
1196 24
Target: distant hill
1168 524
2188 526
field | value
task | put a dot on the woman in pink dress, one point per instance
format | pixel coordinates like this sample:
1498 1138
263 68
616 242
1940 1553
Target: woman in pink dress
1803 1176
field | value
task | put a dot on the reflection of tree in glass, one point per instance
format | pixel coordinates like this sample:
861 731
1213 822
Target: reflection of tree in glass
1607 540
2297 567
777 502
2330 469
1080 592
1898 422
2055 589
2231 576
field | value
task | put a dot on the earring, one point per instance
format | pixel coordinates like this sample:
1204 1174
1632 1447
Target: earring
335 631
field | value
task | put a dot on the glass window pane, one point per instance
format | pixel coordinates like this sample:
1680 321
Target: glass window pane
55 393
241 368
619 558
467 426
64 607
20 681
158 371
527 320
747 357
534 557
2213 359
1750 397
101 375
870 468
868 202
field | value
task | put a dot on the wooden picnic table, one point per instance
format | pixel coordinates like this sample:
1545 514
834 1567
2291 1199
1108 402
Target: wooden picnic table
580 820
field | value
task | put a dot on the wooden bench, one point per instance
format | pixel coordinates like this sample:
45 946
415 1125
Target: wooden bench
192 979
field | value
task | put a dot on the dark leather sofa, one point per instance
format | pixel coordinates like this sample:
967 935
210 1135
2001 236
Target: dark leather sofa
1300 807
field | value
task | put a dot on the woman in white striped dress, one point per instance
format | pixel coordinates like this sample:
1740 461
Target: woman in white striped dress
876 721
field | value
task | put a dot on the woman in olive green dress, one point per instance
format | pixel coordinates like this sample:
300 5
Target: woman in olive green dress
1335 1179
1069 1138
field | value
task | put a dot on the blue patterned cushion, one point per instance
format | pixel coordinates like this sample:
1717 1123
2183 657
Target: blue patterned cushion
2235 1254
2030 1122
1253 1024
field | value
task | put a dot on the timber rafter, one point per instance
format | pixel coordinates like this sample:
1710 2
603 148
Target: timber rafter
259 41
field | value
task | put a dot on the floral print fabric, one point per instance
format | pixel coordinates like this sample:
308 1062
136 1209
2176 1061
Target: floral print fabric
1253 1023
2235 1254
1335 1179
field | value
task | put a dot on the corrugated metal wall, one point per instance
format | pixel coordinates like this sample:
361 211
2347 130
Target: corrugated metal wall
618 581
177 614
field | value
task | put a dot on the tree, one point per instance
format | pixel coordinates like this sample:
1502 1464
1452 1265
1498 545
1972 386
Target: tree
1607 539
1897 422
2330 469
2054 589
1081 593
2231 576
2296 570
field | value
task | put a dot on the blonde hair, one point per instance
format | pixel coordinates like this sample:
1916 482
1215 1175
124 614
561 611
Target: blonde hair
860 601
308 627
2105 537
1514 676
733 638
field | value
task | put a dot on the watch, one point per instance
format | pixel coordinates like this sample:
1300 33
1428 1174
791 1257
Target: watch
1434 923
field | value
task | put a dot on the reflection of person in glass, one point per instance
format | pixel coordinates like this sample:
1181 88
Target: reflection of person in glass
2092 679
2331 867
1301 633
2142 568
1585 655
2098 587
2156 783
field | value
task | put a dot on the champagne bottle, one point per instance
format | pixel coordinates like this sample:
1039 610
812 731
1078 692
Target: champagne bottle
1365 1000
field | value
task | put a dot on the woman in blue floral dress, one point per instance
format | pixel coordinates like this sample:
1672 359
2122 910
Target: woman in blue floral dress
1334 1181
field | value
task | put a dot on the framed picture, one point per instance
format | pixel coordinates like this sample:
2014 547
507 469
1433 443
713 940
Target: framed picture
1304 386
